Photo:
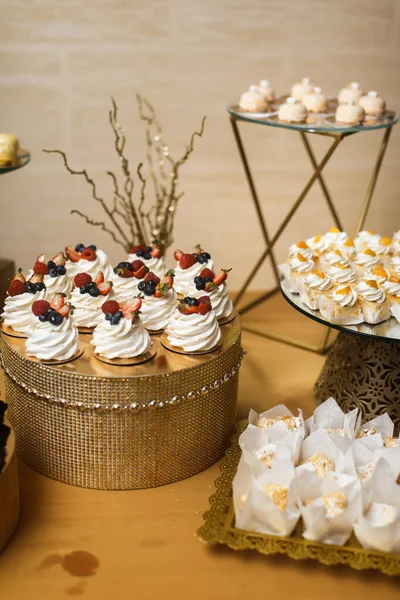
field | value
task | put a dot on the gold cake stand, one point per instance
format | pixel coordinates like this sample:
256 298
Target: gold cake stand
362 368
321 125
219 528
9 494
104 426
22 159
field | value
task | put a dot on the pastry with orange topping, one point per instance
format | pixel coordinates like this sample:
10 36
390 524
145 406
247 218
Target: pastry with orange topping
319 244
294 270
313 287
373 302
332 258
365 239
379 273
342 274
342 306
348 248
336 236
302 247
382 246
365 261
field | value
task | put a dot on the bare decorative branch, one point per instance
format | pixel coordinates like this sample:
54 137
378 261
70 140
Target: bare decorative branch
136 221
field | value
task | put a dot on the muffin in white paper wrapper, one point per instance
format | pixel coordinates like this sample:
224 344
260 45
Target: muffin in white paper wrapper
260 452
271 506
367 465
278 421
378 528
340 426
373 433
328 506
320 456
395 311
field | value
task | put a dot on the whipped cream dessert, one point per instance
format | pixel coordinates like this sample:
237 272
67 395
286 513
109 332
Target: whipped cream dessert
315 102
367 259
319 244
347 248
215 287
151 257
301 88
368 290
303 248
220 301
379 273
87 298
366 239
253 101
345 296
126 339
373 105
194 332
334 257
188 267
54 274
350 114
339 273
265 89
17 310
156 312
292 111
316 283
351 93
337 237
87 260
124 289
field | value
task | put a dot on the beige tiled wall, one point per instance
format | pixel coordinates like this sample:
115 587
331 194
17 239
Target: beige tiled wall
60 62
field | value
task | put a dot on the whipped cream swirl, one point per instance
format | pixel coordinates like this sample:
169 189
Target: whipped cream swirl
184 277
347 249
220 301
319 244
334 257
342 274
87 309
52 342
100 263
127 339
307 252
336 237
392 288
61 284
156 265
17 311
346 296
321 284
381 246
395 264
297 265
194 332
156 312
370 293
365 238
124 288
367 260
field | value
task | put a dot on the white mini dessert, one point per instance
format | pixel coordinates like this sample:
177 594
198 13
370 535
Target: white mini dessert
350 114
382 247
319 244
123 337
341 307
348 248
374 306
365 261
87 262
302 88
366 239
159 302
373 105
352 92
194 332
336 237
342 274
17 306
253 101
294 271
151 256
187 269
379 273
315 102
292 111
55 276
87 304
264 87
314 286
303 248
332 258
216 289
52 335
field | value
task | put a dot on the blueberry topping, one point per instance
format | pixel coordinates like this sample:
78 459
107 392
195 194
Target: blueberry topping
208 279
50 310
115 318
149 289
206 255
200 285
119 313
139 252
92 285
44 317
94 292
61 270
142 286
148 249
55 318
31 287
80 247
191 301
53 272
125 265
108 316
93 247
201 259
40 286
147 256
51 264
84 289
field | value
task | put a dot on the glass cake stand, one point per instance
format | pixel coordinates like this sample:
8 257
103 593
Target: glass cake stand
323 125
362 368
23 158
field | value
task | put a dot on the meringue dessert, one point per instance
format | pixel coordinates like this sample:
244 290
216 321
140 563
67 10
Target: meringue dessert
278 494
120 332
215 287
86 259
159 301
21 294
9 146
87 298
194 327
54 274
350 114
52 335
265 89
351 93
315 102
151 257
190 266
302 88
126 277
253 101
292 111
373 105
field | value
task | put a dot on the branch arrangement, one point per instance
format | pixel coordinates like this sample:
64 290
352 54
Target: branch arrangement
131 219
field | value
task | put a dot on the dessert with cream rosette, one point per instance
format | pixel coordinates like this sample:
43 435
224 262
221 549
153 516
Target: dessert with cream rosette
347 248
319 244
126 278
159 301
292 111
87 259
193 327
366 239
373 105
120 333
373 302
352 92
332 258
54 273
151 256
341 306
87 298
336 237
303 248
350 114
190 266
365 261
52 335
315 102
294 270
265 89
314 286
382 246
341 273
379 273
215 286
20 296
301 88
253 101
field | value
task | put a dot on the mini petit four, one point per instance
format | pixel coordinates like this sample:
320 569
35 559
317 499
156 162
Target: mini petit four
373 105
352 92
315 102
350 114
253 101
301 88
292 111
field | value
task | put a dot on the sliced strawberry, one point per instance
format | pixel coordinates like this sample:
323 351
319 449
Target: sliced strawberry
203 308
99 278
204 300
220 278
16 287
187 260
89 254
123 272
210 286
64 310
136 264
40 268
19 277
36 278
60 259
132 307
152 277
105 288
185 309
156 252
41 258
58 301
178 254
140 273
81 279
197 249
207 273
134 249
72 255
161 290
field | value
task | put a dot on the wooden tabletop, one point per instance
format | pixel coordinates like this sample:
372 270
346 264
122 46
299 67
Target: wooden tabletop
73 542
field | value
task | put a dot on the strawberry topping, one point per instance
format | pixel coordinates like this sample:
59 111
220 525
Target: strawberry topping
40 307
187 260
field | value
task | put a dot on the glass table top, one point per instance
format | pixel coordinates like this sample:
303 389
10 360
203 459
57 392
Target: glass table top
388 330
323 123
23 159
